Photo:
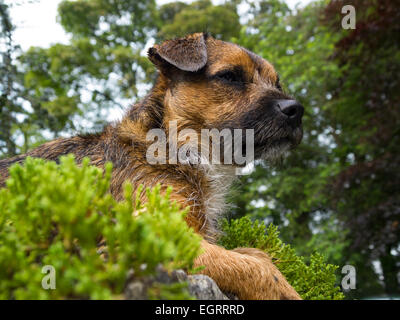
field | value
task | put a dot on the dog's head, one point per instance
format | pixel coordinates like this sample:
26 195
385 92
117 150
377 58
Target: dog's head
210 83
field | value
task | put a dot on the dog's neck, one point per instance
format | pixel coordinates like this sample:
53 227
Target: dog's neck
220 179
214 180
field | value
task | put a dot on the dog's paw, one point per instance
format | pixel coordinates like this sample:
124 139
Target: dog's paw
265 282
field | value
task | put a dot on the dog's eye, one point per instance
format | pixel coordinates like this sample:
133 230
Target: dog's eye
229 76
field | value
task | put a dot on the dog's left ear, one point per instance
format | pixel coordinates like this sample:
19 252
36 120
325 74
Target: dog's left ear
187 54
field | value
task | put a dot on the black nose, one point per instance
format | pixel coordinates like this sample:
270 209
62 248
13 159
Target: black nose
291 109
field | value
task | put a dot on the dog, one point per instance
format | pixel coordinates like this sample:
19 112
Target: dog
202 83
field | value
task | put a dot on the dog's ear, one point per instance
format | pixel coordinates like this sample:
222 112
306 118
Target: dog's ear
187 54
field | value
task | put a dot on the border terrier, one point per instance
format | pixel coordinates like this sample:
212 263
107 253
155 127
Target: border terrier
202 83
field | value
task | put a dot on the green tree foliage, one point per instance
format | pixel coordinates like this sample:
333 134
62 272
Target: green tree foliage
100 68
366 107
179 19
58 214
20 122
7 74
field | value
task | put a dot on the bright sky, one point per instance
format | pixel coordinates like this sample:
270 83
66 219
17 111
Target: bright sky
37 23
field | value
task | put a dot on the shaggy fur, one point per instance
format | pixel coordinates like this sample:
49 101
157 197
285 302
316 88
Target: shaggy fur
203 83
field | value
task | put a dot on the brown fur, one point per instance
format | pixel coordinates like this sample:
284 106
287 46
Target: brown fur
188 92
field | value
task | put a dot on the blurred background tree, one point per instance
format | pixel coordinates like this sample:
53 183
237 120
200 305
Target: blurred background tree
19 123
338 193
179 19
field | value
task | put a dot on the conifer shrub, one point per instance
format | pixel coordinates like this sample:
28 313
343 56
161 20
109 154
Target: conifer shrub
313 281
57 214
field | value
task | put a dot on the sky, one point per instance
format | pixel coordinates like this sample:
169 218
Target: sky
36 21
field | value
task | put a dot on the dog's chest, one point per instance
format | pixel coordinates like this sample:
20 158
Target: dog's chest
219 179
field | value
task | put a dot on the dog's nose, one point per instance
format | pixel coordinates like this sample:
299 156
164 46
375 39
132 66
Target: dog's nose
291 109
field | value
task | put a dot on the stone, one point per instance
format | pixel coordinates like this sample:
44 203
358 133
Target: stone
204 288
200 286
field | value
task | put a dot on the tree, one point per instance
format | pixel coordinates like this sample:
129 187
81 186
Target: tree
21 121
366 106
337 193
179 19
69 88
7 78
101 68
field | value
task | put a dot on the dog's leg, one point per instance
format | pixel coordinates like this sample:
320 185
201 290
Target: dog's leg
248 273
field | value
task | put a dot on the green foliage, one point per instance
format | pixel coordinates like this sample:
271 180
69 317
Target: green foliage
313 281
10 91
57 214
102 65
48 91
222 21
